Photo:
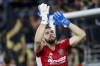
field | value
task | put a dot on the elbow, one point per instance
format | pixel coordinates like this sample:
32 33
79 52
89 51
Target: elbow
83 35
37 49
37 46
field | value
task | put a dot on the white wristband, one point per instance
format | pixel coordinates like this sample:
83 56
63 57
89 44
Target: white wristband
65 26
44 20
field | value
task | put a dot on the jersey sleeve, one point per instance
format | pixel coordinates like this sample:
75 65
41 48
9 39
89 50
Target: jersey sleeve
66 44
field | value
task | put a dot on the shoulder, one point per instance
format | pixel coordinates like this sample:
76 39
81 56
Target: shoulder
42 52
64 44
63 41
45 47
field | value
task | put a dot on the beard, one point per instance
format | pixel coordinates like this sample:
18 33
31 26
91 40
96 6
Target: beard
51 42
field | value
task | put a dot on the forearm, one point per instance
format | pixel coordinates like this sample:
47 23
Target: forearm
39 33
39 37
77 31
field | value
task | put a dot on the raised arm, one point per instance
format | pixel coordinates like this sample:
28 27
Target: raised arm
44 11
79 34
61 20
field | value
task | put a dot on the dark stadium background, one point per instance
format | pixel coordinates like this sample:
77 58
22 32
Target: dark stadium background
26 11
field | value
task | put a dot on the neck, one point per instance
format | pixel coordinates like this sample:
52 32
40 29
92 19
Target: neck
52 47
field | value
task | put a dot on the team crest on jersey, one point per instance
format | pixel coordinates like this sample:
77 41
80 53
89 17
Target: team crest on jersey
50 55
61 51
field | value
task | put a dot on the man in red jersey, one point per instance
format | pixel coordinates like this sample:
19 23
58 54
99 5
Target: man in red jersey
50 52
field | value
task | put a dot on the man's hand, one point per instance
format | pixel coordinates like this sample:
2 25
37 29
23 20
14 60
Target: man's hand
60 19
44 11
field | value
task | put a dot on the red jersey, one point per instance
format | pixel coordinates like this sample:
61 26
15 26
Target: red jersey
57 57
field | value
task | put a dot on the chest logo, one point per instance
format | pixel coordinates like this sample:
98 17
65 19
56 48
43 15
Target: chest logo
50 55
61 51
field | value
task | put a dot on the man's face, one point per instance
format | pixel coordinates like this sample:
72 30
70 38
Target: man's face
49 36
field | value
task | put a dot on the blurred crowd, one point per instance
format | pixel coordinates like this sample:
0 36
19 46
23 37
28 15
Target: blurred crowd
19 21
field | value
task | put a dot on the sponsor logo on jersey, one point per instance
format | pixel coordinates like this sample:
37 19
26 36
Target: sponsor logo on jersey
50 56
58 61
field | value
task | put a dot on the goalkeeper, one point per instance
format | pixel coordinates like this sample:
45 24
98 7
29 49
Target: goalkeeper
51 52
